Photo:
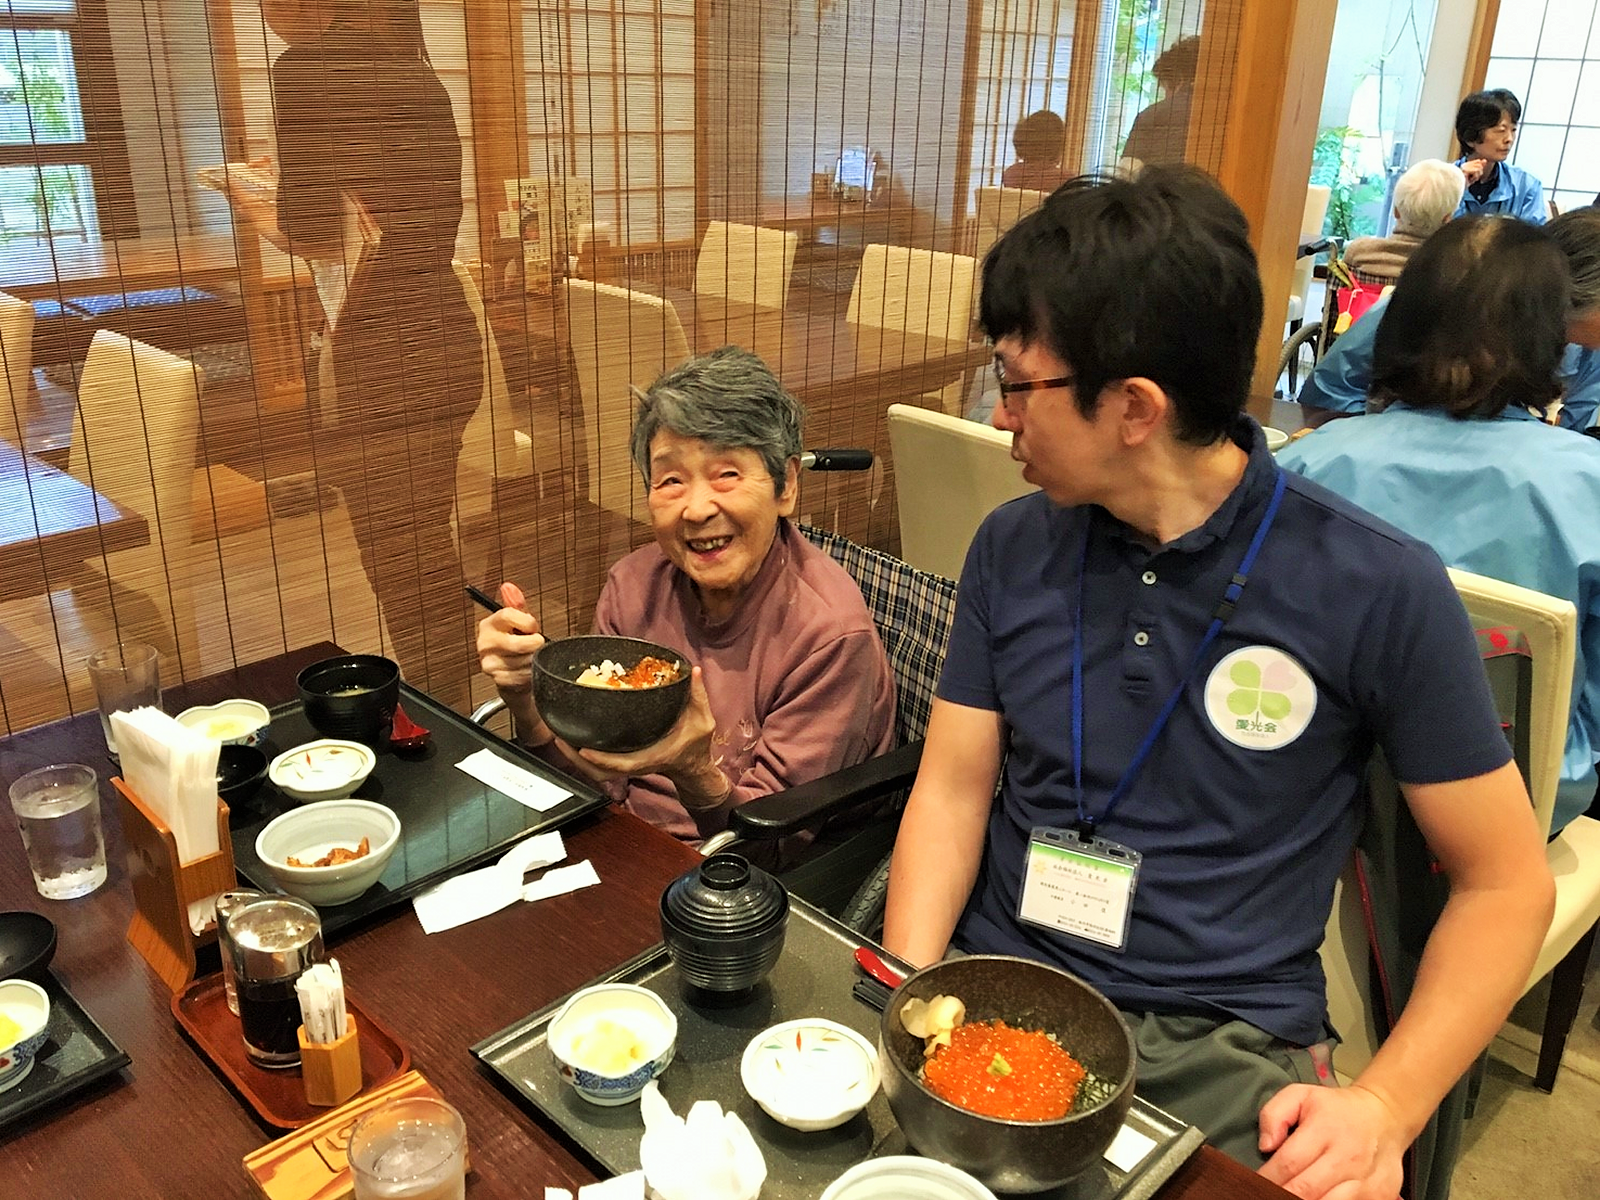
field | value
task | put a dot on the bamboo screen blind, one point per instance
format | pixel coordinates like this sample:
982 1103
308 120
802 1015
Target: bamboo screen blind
597 139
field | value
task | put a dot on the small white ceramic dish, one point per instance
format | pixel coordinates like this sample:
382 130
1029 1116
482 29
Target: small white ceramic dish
612 1039
1276 438
906 1177
232 722
811 1073
28 1006
326 769
310 831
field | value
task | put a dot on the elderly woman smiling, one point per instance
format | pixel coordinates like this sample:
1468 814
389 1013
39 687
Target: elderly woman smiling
789 681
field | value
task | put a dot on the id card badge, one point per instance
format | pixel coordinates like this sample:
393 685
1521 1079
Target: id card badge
1083 888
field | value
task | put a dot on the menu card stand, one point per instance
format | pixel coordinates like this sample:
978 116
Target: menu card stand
163 888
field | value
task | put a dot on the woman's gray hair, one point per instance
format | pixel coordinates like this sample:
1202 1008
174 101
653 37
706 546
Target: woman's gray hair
1427 196
729 399
1578 234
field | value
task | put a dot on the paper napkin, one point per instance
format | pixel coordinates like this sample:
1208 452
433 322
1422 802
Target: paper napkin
173 769
487 890
522 786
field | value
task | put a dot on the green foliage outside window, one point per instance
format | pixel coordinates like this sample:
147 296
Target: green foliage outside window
1333 164
34 103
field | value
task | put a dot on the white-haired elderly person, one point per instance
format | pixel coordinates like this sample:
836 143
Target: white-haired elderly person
789 679
1425 197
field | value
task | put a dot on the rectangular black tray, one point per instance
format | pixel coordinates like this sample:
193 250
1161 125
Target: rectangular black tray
813 979
76 1053
448 820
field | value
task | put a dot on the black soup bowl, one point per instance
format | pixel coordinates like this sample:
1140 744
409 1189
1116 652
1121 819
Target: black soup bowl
613 720
27 944
351 697
241 770
1011 1156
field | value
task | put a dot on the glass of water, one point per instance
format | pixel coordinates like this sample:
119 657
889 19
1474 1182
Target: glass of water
58 812
126 676
413 1148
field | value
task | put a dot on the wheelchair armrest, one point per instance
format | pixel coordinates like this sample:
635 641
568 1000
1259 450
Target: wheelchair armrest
808 805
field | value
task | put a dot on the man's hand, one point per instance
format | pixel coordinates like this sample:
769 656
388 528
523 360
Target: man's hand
507 642
1473 169
1339 1143
683 755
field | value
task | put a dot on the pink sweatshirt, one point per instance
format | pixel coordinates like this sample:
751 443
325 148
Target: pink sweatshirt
797 678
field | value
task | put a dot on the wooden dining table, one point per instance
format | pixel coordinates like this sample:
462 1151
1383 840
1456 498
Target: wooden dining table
51 522
167 1126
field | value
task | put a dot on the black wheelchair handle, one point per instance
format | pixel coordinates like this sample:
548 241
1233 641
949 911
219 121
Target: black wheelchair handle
837 460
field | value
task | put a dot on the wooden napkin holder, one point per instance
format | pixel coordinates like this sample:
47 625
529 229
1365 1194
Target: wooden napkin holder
164 887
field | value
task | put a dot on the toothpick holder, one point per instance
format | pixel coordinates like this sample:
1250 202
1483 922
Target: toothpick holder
164 887
331 1070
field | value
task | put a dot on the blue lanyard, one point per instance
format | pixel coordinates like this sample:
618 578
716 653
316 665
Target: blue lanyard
1230 599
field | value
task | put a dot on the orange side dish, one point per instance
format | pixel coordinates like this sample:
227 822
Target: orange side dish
650 672
1014 1074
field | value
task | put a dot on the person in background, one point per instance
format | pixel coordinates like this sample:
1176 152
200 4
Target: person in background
1486 126
1339 384
1160 133
1178 655
790 682
1039 139
1459 456
366 137
1425 197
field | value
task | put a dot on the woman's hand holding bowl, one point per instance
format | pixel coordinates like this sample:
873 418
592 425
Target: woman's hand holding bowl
683 755
507 641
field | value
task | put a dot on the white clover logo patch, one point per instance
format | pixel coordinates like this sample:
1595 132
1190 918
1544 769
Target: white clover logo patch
1260 698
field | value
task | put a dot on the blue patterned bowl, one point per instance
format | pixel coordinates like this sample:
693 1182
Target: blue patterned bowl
28 1006
611 1040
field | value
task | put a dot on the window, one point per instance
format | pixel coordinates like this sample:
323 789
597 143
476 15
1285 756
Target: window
63 164
1548 53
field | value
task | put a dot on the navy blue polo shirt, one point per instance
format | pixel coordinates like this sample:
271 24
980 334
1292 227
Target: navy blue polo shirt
1348 635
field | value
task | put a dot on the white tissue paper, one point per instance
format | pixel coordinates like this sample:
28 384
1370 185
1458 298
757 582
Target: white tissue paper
479 893
623 1187
709 1155
173 769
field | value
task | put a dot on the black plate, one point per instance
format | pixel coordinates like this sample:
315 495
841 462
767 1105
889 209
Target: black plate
77 1053
813 979
448 820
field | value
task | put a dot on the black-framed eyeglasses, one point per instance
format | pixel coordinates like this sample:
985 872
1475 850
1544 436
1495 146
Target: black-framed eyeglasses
1028 385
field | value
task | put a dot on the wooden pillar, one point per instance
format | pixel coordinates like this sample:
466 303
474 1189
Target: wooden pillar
1482 41
1262 63
499 109
276 363
1080 84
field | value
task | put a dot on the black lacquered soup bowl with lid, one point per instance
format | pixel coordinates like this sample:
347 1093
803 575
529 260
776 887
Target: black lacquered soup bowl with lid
723 924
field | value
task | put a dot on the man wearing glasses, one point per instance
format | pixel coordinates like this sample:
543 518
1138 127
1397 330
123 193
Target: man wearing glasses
1174 662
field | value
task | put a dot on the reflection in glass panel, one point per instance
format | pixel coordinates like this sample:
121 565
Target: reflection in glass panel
38 88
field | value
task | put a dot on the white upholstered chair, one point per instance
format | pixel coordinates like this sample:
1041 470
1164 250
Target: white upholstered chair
949 473
620 340
1549 627
16 365
490 449
998 210
750 263
133 441
1311 220
917 291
